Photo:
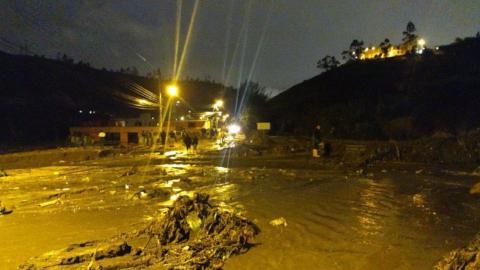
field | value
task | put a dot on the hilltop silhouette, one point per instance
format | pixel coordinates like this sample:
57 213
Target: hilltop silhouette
391 98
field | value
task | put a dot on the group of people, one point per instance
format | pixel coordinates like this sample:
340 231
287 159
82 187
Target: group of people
189 141
79 140
147 136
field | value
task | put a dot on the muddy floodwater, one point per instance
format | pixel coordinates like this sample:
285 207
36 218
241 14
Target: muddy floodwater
387 216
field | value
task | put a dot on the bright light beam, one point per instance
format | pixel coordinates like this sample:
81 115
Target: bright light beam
242 60
143 58
227 41
187 41
260 43
177 36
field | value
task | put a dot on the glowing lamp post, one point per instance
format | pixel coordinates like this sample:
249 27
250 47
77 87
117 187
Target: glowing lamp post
218 104
172 90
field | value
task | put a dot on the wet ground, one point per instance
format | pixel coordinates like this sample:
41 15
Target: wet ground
385 216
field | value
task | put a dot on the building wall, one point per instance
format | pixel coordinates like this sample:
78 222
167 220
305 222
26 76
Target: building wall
190 126
393 51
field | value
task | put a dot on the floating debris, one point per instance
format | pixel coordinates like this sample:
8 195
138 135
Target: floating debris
278 222
4 210
49 203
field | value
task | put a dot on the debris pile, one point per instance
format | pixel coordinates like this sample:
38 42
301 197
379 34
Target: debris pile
464 258
190 235
209 234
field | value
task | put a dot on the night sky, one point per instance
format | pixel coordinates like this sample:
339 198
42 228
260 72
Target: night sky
276 43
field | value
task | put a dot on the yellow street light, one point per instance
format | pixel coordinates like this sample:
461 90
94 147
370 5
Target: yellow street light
172 90
143 101
219 103
421 42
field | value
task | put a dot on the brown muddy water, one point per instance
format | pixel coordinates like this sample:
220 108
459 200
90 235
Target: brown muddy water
343 222
391 218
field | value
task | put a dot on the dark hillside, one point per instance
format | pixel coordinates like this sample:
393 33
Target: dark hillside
41 98
397 98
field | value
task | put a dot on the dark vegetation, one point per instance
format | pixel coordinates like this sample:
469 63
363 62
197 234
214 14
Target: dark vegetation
390 98
41 98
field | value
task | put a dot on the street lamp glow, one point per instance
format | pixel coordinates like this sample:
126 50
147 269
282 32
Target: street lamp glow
143 101
172 90
234 129
219 103
421 42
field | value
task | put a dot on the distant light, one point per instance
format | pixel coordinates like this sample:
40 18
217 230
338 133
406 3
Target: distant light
420 51
158 124
172 90
219 103
93 112
373 48
182 118
421 42
234 129
437 48
353 53
90 112
143 101
189 111
366 49
178 101
153 117
80 111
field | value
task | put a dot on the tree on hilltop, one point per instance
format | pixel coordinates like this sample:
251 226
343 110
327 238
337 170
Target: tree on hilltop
327 63
409 36
385 46
356 49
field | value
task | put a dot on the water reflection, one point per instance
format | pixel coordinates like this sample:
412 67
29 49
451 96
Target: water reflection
355 223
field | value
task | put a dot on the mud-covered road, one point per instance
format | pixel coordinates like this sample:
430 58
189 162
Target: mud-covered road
385 216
